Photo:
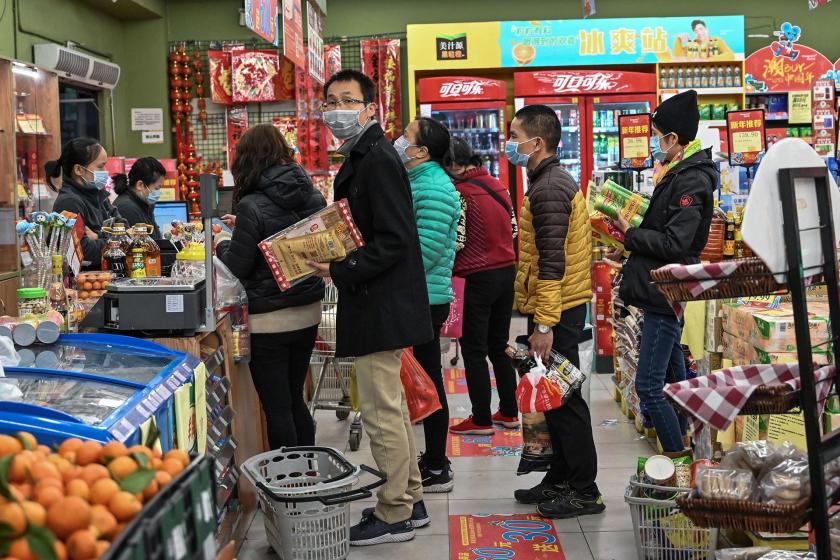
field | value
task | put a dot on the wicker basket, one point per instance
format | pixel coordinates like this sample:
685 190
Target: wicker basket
745 515
775 399
751 278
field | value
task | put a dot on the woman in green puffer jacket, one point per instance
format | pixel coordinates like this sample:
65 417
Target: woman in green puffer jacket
437 210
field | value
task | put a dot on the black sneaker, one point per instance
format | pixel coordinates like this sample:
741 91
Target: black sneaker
419 515
436 482
542 492
372 530
572 504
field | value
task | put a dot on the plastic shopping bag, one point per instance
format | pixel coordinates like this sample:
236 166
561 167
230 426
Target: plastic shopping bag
420 391
9 357
546 388
537 452
454 325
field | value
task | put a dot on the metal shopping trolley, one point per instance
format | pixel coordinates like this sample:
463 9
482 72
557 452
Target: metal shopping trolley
332 375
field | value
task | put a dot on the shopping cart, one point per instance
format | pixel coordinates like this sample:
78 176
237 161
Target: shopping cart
305 495
332 378
662 531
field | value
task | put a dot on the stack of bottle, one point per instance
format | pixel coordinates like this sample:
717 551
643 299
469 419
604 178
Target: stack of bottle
700 77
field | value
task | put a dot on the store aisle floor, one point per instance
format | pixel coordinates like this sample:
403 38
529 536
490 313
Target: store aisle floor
485 485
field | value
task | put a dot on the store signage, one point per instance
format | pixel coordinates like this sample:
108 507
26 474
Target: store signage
451 47
293 33
745 131
814 4
768 72
503 536
261 18
152 137
634 141
147 118
461 89
799 107
553 82
315 42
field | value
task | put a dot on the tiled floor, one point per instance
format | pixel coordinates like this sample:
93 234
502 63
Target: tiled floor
486 485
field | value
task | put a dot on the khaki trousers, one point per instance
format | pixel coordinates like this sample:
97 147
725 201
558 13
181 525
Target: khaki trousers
385 417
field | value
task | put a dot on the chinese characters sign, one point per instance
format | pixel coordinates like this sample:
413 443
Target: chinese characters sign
261 18
452 47
620 41
745 130
381 61
573 82
768 73
315 43
293 33
486 537
634 141
451 88
799 107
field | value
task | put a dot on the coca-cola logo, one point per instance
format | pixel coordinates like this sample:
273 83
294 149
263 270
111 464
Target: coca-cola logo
461 88
579 83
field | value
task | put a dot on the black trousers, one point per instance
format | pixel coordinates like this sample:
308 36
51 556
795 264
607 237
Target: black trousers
436 425
570 426
279 363
488 304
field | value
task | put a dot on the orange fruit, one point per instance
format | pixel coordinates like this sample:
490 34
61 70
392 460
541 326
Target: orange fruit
101 548
88 453
103 490
67 516
68 445
142 449
121 467
124 506
14 516
20 549
60 550
54 482
102 521
172 466
48 496
163 478
43 469
74 471
156 463
156 453
9 445
78 488
151 489
81 545
45 450
112 450
21 492
119 529
36 514
179 454
93 472
19 469
28 440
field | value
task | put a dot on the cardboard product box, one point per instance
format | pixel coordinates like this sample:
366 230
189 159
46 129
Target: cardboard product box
713 338
603 309
714 360
772 330
604 340
741 352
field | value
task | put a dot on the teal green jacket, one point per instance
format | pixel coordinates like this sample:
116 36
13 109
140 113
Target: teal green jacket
437 208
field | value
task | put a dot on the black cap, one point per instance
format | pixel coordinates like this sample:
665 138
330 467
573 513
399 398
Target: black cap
678 114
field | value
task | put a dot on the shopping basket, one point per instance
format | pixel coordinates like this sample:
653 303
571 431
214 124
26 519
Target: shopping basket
662 532
305 495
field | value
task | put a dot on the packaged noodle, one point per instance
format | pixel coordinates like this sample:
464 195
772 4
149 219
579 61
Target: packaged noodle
615 200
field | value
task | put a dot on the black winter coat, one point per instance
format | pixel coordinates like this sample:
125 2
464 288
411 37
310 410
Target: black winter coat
284 196
135 210
675 230
382 302
94 207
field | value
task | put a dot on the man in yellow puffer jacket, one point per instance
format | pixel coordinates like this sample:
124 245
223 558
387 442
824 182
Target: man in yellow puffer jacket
553 288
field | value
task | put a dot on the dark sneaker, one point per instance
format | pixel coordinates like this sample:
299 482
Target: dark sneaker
542 492
572 504
437 481
419 515
372 530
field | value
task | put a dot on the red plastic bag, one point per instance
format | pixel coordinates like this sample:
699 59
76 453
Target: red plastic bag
454 325
419 389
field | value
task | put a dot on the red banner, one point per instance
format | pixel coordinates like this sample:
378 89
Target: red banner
745 134
313 138
776 69
293 33
573 82
504 443
315 42
236 120
455 88
634 141
484 537
381 61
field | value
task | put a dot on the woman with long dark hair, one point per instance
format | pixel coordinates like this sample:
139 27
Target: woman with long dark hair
271 193
139 191
81 167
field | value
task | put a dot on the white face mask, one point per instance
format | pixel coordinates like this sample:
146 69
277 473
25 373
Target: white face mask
343 123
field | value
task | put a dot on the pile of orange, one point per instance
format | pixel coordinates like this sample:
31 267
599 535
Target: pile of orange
72 503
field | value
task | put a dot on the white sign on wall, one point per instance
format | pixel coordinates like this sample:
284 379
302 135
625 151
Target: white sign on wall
147 119
152 137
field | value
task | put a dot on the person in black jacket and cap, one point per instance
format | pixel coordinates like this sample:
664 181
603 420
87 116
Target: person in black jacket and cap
81 167
383 305
139 191
674 230
271 193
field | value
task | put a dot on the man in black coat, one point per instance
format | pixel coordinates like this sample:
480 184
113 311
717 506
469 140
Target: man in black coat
382 304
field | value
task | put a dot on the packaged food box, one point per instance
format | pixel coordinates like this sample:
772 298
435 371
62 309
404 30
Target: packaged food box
741 352
772 330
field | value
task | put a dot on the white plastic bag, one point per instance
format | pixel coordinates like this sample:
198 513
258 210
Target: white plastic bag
9 357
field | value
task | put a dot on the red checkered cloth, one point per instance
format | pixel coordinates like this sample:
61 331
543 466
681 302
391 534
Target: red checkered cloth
716 399
699 278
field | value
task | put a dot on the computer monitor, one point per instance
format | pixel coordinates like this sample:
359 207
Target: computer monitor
166 212
225 198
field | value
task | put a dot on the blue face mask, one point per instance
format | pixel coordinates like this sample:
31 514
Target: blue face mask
401 144
512 153
100 179
153 197
656 150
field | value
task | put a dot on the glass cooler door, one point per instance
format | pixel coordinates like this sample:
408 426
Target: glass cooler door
479 127
569 149
605 128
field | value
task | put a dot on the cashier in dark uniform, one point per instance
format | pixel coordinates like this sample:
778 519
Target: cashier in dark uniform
139 191
81 168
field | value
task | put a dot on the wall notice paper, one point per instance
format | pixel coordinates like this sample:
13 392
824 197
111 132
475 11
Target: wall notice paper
523 535
504 443
456 381
147 119
799 107
787 427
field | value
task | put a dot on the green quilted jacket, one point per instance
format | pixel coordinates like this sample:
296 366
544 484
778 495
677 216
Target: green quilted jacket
437 208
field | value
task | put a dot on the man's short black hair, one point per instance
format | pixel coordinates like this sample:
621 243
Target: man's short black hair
697 22
365 83
542 121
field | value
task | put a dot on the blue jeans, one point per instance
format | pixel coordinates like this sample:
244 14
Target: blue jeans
661 361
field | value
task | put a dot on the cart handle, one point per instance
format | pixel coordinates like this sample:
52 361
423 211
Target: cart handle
340 498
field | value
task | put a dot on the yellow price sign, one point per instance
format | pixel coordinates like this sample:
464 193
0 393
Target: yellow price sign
636 147
747 141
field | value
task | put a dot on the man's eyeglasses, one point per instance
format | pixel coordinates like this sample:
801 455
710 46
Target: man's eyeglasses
347 102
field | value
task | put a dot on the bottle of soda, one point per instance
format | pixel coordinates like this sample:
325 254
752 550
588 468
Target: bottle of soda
116 259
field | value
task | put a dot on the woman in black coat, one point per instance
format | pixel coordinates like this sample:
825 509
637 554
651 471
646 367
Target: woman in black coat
271 193
139 191
81 167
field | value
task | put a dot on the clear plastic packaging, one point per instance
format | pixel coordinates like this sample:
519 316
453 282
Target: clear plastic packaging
230 297
751 553
787 482
759 456
719 483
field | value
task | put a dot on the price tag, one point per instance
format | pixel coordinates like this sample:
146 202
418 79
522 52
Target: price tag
175 303
634 141
745 131
179 542
207 506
